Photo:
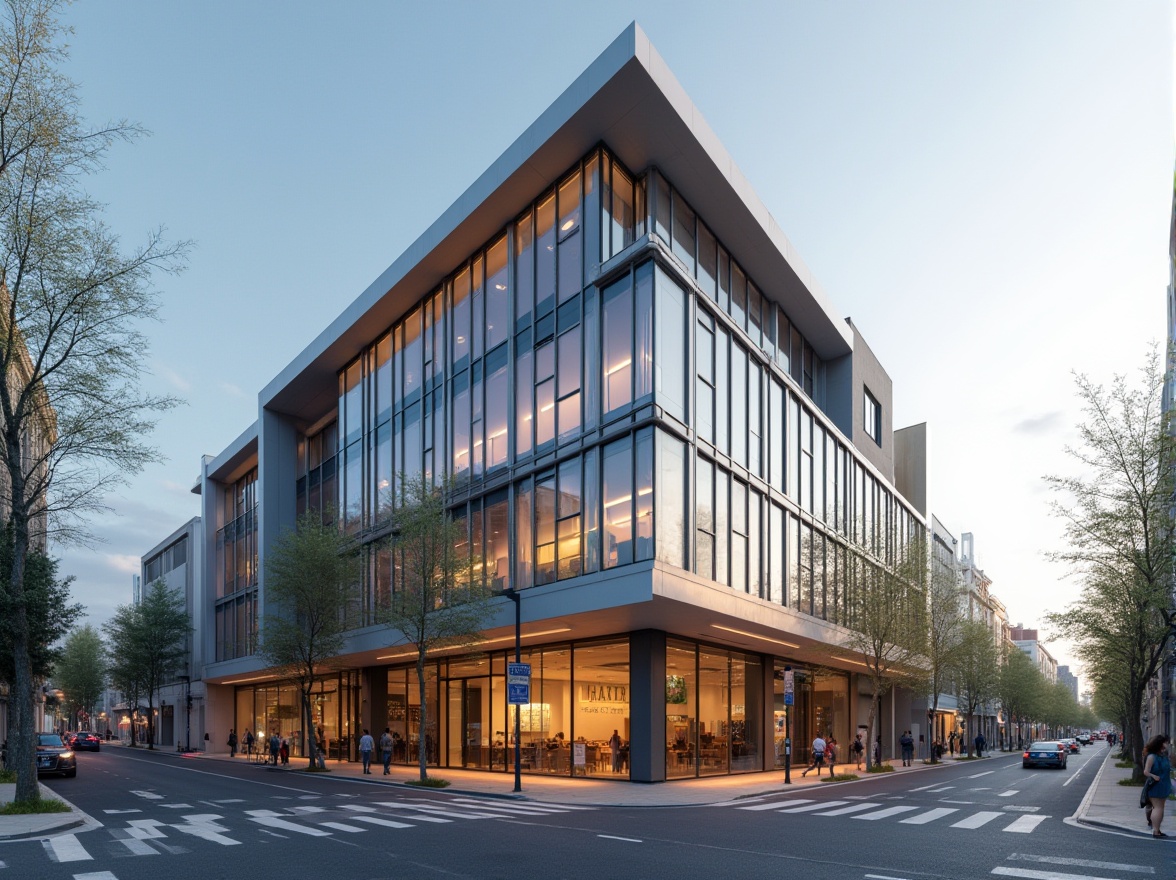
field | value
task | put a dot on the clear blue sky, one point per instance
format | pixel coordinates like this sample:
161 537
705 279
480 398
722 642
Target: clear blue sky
985 188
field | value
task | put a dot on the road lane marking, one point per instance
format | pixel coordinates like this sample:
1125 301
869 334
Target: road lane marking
852 808
145 829
118 812
1082 863
307 810
818 806
614 837
1074 775
943 788
1008 793
67 848
271 819
885 814
1022 809
775 805
978 775
176 806
150 795
452 814
929 816
1025 824
525 810
386 823
976 820
923 788
95 875
206 827
1044 875
339 826
882 877
138 847
946 801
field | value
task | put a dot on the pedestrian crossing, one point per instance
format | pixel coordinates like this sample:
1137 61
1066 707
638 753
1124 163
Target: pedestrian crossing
230 827
875 811
1027 866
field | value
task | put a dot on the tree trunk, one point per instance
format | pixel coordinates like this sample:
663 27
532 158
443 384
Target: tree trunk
870 732
308 727
27 790
422 742
150 721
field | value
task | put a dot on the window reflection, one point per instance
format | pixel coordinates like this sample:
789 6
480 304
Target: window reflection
618 503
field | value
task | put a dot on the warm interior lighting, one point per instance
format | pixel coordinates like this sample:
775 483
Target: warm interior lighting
752 635
547 408
848 660
510 638
568 224
239 680
500 286
617 501
625 363
497 434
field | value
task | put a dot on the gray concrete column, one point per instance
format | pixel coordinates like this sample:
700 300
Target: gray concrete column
647 699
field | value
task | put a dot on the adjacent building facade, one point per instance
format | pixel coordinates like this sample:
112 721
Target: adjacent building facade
665 439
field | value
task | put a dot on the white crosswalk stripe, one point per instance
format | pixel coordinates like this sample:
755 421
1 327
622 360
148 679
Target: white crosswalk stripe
977 819
852 808
886 814
340 826
67 848
386 823
774 805
1026 824
1082 863
270 819
1028 874
929 816
807 808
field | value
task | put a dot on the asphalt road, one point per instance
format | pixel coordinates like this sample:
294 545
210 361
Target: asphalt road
165 816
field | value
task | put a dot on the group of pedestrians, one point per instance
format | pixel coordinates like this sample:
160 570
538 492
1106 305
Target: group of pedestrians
278 746
824 750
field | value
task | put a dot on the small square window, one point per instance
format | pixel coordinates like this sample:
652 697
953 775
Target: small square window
872 417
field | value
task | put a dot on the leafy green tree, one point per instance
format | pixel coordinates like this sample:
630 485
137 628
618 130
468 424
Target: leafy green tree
149 644
888 625
975 672
1017 688
1121 538
49 615
73 422
435 602
81 671
945 621
311 573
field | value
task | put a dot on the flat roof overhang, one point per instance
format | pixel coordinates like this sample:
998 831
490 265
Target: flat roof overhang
629 99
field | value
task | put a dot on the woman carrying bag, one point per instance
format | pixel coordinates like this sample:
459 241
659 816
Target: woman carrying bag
1158 783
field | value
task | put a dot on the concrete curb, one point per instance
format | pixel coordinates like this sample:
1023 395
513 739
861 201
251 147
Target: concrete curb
43 825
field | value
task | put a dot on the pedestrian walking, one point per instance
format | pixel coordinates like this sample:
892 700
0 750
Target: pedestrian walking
818 755
248 742
284 751
908 748
859 750
386 750
980 743
366 745
831 754
274 745
232 743
1158 770
878 750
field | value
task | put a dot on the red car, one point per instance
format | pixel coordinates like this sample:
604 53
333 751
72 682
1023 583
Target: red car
84 740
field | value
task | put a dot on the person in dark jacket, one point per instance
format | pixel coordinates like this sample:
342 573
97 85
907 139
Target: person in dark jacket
908 748
980 743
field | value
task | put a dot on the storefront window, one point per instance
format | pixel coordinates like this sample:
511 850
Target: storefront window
681 702
602 710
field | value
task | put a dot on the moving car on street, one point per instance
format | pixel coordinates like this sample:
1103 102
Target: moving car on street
54 756
1048 753
85 740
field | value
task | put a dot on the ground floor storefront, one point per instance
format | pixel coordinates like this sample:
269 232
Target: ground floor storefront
648 706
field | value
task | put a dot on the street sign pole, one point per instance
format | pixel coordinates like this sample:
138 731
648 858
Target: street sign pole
518 773
789 699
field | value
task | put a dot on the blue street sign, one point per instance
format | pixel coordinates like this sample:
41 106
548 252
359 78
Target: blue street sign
518 694
789 700
518 670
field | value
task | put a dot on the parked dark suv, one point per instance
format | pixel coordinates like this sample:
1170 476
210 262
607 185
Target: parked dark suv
54 756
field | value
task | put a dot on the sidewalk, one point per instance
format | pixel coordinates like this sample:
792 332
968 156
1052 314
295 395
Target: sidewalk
1106 804
1110 805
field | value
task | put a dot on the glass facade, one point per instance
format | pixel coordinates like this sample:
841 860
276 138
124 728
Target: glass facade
609 387
236 571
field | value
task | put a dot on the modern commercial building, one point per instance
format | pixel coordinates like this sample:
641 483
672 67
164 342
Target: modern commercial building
666 440
1069 679
179 705
1027 641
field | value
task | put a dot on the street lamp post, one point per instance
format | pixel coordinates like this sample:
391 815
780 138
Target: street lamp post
518 604
187 680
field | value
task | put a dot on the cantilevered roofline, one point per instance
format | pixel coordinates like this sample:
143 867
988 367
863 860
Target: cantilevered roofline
629 99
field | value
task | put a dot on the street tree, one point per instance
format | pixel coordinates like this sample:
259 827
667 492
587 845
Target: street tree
435 602
49 614
1017 689
975 672
312 573
81 671
1121 537
945 620
73 420
152 638
122 669
888 626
